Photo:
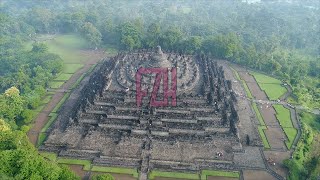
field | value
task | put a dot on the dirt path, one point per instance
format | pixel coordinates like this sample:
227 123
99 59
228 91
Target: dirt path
93 58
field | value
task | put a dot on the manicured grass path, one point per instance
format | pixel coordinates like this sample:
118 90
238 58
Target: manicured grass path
273 87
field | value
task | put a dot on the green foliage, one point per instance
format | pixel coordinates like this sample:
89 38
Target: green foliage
11 105
103 177
20 160
91 34
129 35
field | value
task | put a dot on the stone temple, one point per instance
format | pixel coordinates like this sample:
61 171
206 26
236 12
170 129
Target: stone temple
102 122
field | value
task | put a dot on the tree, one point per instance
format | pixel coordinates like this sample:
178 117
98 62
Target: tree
20 160
11 104
153 34
171 38
129 35
92 34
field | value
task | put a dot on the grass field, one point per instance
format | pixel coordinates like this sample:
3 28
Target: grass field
283 115
71 68
117 170
230 174
291 134
263 137
261 78
177 175
63 77
55 84
258 114
273 87
246 88
86 163
284 118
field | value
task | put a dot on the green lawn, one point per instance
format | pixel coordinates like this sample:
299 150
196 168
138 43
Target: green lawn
178 175
71 68
258 114
231 174
63 77
246 88
41 138
56 84
261 78
86 163
273 91
283 116
273 87
263 136
291 134
117 170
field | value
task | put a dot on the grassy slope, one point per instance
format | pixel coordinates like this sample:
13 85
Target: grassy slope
270 85
284 118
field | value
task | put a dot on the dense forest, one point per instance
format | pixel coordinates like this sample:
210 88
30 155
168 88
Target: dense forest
281 39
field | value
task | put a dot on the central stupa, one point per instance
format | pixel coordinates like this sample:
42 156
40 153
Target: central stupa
158 59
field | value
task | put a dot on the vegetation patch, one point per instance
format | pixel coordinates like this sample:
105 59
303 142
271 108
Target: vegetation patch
46 100
231 174
178 175
49 123
246 88
261 78
272 87
86 163
71 68
41 138
258 114
49 155
311 120
291 135
63 77
117 170
263 136
273 91
283 115
56 84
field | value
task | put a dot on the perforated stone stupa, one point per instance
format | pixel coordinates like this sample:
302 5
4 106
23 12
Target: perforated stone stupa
101 120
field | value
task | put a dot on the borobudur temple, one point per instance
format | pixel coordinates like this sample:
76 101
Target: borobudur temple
197 129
